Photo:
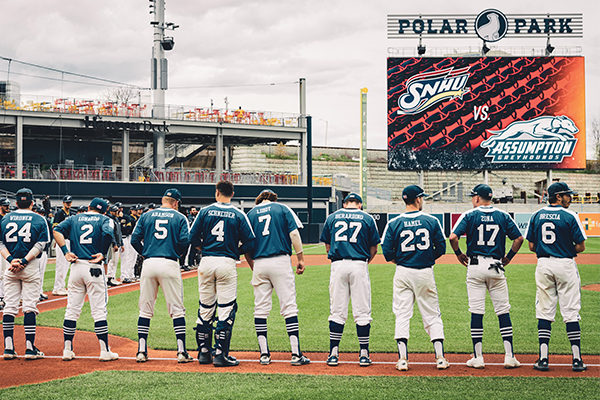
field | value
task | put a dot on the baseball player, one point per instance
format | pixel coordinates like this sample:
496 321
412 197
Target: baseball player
413 241
4 209
161 236
351 238
129 257
117 248
90 234
193 253
556 235
44 255
276 227
24 235
486 228
62 266
218 231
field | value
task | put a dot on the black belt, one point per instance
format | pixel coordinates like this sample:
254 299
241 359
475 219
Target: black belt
474 260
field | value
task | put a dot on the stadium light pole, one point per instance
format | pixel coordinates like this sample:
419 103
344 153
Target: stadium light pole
159 74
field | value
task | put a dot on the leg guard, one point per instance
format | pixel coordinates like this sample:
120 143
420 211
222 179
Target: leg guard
224 329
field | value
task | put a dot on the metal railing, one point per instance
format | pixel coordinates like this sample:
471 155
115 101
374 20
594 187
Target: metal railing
69 105
141 174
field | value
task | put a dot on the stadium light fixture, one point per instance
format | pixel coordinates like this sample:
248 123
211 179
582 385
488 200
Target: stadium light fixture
549 47
485 49
421 49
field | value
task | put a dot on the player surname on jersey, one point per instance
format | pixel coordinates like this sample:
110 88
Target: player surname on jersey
550 216
218 213
349 215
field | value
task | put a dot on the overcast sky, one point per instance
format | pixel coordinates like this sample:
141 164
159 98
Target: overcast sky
339 46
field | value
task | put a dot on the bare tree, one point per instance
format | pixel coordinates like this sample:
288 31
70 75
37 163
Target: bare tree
595 136
121 95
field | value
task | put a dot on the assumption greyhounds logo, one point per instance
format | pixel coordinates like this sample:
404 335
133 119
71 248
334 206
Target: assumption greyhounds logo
546 139
426 89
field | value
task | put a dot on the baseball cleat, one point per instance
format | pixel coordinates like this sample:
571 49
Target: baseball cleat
442 363
2 303
205 357
300 360
578 365
141 357
184 357
402 365
225 361
43 297
511 362
68 355
364 361
333 361
34 354
10 354
108 356
60 292
476 362
541 364
265 359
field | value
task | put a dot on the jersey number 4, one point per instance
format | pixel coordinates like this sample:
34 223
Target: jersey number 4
341 236
219 231
24 232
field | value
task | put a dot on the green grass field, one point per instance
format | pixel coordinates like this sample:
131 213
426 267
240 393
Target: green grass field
313 302
136 385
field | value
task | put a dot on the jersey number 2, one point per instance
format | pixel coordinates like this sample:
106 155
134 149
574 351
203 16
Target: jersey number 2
85 236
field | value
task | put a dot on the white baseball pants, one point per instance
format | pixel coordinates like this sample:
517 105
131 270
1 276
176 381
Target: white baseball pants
43 265
128 259
81 282
23 285
349 279
274 273
217 284
479 279
557 281
62 267
410 285
166 274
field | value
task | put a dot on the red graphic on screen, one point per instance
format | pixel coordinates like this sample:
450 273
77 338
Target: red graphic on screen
500 91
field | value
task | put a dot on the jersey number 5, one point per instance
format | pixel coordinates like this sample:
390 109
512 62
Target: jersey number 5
24 232
161 231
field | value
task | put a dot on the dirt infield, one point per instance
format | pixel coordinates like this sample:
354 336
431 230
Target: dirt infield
594 287
49 340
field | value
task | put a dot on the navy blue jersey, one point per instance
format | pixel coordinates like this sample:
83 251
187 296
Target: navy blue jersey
555 231
486 228
413 239
21 230
219 229
351 233
89 232
272 224
161 233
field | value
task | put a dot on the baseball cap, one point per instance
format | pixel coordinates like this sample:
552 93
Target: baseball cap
82 208
151 206
119 204
353 197
559 188
113 208
411 192
68 199
99 204
5 202
482 190
24 194
174 194
35 207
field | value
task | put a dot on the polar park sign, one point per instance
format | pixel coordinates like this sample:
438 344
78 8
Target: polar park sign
458 113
